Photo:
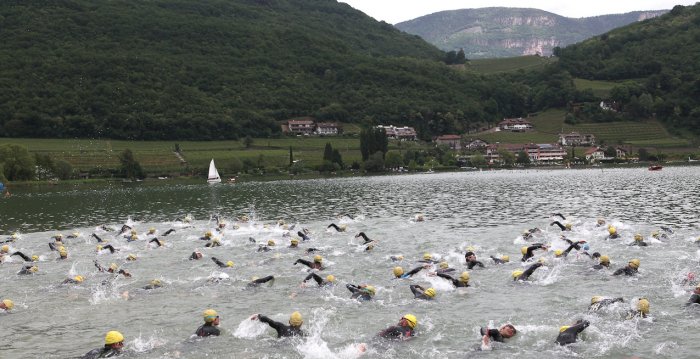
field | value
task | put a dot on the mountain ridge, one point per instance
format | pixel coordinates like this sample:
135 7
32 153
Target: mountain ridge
506 32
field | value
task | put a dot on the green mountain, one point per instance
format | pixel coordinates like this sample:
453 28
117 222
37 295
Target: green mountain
656 64
221 69
507 32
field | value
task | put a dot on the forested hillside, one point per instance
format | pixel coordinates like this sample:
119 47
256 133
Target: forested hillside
216 69
659 58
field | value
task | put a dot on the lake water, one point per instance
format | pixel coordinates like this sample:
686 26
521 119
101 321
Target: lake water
484 210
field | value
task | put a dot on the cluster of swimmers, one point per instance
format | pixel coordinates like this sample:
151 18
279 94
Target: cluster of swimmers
407 324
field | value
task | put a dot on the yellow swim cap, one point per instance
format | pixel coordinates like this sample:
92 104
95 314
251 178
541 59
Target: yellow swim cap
270 243
295 319
568 226
330 278
444 265
35 258
208 234
63 254
612 230
210 315
5 248
517 273
638 237
398 271
295 242
542 260
79 278
427 256
655 234
563 328
604 259
401 257
14 236
99 247
430 292
133 231
596 299
318 259
643 305
113 337
76 234
634 263
523 250
134 237
8 304
505 258
59 235
464 277
558 252
156 283
371 290
113 266
229 264
34 269
343 227
411 319
131 257
61 249
471 249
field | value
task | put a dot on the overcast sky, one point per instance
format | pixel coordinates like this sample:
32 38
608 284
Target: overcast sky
394 11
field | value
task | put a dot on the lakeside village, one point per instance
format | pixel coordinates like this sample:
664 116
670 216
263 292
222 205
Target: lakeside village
474 152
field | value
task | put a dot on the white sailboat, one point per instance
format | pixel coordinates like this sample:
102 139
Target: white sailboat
213 173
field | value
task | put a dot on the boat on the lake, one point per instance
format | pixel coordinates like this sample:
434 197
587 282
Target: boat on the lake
655 168
213 173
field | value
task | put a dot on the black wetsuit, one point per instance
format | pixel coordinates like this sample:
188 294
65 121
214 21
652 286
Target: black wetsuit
152 286
218 262
528 254
397 332
212 244
110 248
311 250
105 352
124 229
457 283
263 248
601 266
195 256
257 282
694 299
364 236
168 232
358 293
639 243
560 215
24 256
613 236
474 263
411 272
99 240
498 260
25 270
528 272
303 236
494 334
320 281
207 329
312 265
419 292
626 271
53 246
444 270
561 226
334 226
158 242
569 335
603 303
571 246
282 329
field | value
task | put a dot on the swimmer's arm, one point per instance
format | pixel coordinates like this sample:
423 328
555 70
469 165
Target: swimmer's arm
315 277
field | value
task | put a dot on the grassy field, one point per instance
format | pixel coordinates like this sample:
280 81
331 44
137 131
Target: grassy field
600 88
550 123
508 64
157 157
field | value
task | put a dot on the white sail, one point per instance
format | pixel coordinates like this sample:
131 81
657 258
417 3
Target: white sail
213 173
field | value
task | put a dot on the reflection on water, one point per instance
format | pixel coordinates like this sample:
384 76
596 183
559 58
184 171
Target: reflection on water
484 210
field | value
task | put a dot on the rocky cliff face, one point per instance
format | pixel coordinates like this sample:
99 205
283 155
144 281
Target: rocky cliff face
504 32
